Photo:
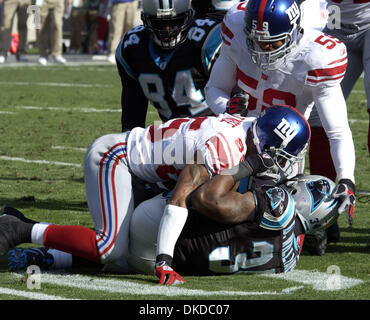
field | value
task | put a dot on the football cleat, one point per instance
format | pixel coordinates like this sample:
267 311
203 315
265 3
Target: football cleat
20 259
13 232
10 211
315 244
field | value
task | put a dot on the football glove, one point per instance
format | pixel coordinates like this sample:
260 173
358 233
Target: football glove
167 276
258 165
345 192
237 105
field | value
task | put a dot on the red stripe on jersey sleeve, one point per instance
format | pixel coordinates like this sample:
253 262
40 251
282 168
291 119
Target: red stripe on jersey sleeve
221 153
325 79
225 31
327 72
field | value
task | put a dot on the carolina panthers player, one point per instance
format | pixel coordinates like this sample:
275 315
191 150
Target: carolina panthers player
166 61
154 154
268 55
268 236
157 153
280 132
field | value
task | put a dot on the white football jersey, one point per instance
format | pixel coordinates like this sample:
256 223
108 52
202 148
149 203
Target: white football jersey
318 60
352 11
160 152
310 75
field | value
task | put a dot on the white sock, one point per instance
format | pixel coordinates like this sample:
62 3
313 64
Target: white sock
62 259
37 234
172 223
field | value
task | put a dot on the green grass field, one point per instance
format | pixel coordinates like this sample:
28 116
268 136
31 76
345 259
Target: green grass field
50 115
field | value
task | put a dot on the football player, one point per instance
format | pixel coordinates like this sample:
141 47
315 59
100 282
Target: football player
153 154
166 61
354 32
279 136
260 230
268 55
267 238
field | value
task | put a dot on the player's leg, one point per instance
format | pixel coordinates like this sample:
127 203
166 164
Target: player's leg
366 62
108 187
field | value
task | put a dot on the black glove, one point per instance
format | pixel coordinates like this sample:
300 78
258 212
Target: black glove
238 104
259 165
345 192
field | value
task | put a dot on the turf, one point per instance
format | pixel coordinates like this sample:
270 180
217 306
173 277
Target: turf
52 114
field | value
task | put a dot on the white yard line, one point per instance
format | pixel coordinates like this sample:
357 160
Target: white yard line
87 110
40 161
133 288
69 148
30 294
321 281
55 84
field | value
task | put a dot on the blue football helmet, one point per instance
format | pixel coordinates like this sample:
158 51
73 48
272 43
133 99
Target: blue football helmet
268 21
168 21
284 134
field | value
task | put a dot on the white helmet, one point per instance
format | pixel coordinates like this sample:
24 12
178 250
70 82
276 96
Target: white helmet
315 206
168 21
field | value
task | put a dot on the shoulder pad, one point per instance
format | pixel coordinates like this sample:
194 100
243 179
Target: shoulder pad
233 23
327 60
130 40
279 211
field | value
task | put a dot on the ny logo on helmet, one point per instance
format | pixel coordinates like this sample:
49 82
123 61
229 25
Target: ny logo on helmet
285 132
293 13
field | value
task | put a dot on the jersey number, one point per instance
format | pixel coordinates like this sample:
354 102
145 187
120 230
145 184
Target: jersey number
269 95
184 93
327 41
219 258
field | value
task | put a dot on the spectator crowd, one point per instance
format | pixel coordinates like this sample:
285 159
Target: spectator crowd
64 27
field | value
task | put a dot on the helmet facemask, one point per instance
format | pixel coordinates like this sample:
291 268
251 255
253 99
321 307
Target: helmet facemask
168 29
285 161
277 25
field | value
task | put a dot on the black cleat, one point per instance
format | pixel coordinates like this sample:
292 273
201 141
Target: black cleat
315 244
333 233
13 232
10 211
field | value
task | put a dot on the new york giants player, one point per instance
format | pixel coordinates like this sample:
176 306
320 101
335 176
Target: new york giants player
280 132
166 61
152 154
268 237
354 31
270 57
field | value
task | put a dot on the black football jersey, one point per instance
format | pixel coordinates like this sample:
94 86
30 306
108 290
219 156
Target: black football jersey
172 81
209 248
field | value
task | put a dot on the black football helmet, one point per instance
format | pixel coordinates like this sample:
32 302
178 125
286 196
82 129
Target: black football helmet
168 21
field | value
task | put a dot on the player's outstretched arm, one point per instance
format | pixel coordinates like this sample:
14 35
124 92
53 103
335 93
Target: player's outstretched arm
218 200
173 220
